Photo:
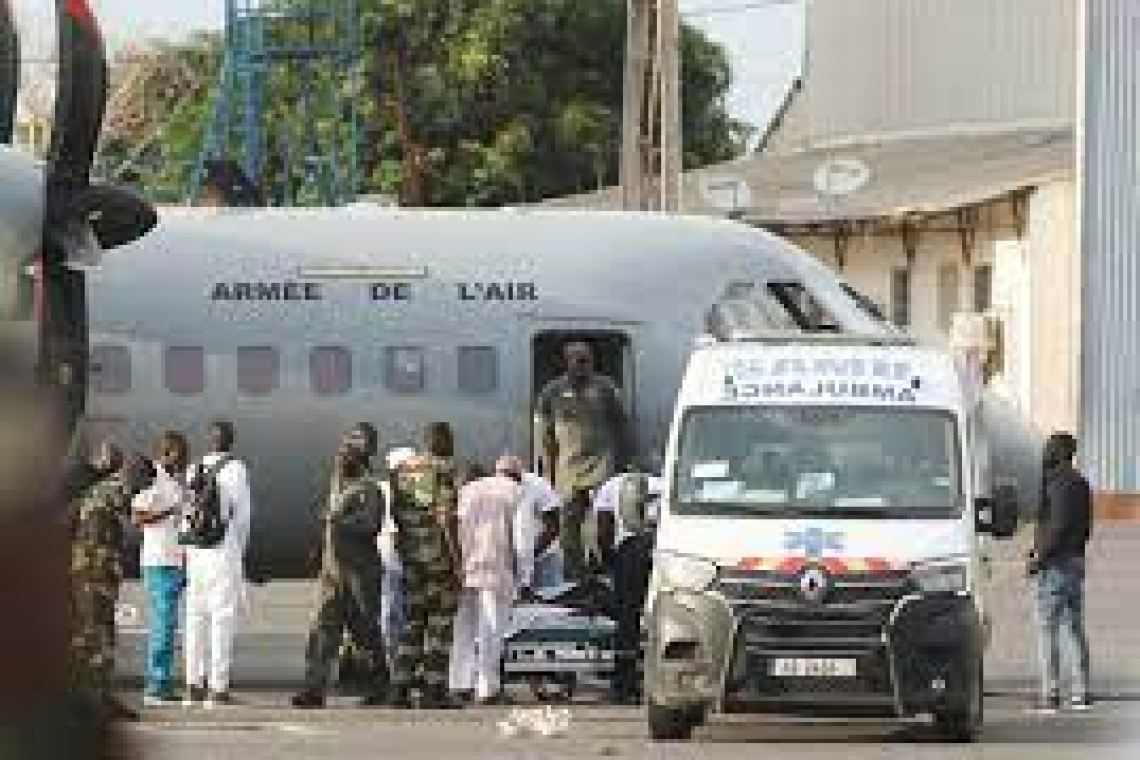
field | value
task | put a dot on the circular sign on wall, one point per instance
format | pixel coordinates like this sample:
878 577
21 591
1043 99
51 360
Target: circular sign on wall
841 176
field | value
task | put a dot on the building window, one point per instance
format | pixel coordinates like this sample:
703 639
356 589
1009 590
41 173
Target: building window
900 297
258 370
110 369
330 370
478 370
947 295
404 369
185 370
983 287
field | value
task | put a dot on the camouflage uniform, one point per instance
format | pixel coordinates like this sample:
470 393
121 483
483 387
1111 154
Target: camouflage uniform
96 572
425 496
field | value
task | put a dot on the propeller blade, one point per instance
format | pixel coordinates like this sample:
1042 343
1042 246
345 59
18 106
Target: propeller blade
80 105
9 72
118 215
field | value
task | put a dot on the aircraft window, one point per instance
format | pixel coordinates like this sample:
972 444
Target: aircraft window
478 370
745 307
404 369
258 370
185 370
330 370
110 369
809 314
863 302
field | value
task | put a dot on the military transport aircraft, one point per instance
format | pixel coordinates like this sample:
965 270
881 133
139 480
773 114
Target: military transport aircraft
297 323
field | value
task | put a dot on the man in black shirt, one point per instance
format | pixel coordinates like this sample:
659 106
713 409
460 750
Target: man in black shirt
1058 564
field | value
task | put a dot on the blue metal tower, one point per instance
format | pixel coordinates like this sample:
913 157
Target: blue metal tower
303 54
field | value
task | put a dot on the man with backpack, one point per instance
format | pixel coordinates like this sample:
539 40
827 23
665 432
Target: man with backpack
215 533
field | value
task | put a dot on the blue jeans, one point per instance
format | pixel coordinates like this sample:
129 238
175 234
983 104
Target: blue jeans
1061 615
392 603
164 590
548 569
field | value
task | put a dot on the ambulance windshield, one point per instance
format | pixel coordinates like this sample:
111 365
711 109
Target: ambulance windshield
818 461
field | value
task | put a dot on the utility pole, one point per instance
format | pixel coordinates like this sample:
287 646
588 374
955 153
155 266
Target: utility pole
651 114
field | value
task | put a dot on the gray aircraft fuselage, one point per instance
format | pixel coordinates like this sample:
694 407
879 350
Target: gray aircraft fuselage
399 295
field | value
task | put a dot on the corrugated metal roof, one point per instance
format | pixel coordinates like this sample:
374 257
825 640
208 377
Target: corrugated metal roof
1110 392
919 175
875 67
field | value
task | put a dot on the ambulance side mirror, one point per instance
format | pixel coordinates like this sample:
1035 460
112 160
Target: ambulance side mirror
997 515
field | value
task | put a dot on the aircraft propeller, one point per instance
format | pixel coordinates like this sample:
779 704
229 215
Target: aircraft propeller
9 72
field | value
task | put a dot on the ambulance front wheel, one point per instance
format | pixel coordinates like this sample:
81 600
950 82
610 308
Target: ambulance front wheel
553 689
672 724
963 723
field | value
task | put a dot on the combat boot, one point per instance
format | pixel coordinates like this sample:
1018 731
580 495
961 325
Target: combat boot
437 698
308 700
400 698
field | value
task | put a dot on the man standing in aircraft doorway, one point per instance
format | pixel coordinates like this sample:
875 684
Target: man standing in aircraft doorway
215 577
581 430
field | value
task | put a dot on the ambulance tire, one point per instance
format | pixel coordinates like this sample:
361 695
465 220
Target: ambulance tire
554 689
670 724
964 725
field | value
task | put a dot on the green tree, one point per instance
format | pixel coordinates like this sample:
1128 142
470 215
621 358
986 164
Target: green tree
489 102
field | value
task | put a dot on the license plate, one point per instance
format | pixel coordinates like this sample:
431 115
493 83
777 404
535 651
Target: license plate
813 668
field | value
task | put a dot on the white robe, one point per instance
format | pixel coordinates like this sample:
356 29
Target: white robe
215 585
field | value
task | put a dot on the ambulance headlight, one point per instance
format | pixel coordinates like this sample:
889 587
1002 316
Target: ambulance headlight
682 572
946 577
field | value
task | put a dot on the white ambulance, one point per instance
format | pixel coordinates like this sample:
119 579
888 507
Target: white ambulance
821 545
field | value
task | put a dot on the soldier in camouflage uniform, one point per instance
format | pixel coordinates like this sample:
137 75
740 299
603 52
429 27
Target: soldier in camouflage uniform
425 512
96 572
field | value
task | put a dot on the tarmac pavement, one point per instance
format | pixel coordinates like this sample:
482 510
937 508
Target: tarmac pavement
269 666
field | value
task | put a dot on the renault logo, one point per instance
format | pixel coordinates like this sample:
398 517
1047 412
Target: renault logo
813 585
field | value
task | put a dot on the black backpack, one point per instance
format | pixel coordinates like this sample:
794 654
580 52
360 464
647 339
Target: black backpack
204 526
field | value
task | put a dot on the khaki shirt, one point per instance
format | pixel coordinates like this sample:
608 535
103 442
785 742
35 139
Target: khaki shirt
582 426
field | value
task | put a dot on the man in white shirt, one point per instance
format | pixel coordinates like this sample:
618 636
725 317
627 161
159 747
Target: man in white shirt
490 583
536 525
215 579
157 510
631 564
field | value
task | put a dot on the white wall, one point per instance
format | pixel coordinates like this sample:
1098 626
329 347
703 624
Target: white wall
1055 292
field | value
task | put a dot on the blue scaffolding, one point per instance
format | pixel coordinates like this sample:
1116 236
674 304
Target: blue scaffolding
304 53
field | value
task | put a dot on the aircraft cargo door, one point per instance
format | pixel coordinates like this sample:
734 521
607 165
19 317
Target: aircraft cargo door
613 357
